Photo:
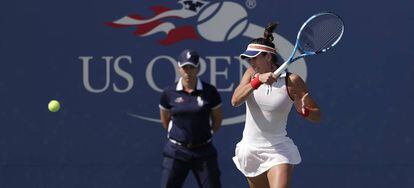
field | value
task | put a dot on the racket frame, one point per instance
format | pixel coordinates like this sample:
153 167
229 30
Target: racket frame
292 59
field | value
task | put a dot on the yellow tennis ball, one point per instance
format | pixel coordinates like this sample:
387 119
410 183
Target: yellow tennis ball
54 106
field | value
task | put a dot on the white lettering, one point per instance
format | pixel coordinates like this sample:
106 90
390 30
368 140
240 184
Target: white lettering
150 67
123 74
214 72
203 67
86 82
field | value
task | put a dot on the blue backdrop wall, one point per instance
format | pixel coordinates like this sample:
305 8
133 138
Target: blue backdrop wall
106 61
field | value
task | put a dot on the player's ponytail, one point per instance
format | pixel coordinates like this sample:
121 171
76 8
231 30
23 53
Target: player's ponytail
268 38
269 30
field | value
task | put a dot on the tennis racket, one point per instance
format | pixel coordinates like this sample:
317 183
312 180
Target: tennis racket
317 35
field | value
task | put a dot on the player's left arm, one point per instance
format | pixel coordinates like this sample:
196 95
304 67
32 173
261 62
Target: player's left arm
304 104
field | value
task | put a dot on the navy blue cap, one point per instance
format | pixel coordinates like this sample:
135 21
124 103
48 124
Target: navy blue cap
188 57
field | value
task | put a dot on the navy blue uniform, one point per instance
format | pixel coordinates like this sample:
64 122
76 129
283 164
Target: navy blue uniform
189 144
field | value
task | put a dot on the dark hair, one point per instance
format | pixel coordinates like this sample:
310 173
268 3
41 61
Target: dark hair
267 38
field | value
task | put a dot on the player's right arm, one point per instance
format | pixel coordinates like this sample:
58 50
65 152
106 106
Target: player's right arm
244 89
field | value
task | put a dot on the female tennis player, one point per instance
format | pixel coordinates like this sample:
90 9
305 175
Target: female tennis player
265 155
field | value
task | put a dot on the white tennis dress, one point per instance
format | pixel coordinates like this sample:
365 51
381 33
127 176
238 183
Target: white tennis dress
264 143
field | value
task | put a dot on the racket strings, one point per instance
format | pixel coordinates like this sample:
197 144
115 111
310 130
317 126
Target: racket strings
331 37
320 33
329 41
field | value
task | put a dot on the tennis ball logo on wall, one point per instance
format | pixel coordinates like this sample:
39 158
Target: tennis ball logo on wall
216 22
231 25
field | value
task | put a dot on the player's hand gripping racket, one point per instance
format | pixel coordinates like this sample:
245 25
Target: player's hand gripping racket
317 35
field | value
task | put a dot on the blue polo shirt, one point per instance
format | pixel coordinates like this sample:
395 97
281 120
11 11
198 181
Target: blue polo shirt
190 114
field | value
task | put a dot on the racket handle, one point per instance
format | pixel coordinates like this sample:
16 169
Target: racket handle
282 68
